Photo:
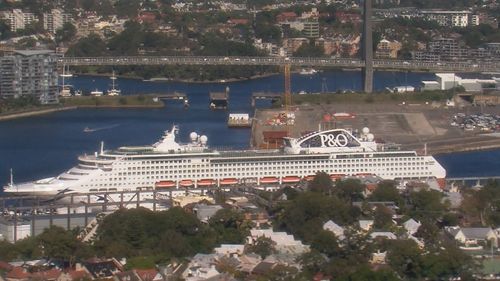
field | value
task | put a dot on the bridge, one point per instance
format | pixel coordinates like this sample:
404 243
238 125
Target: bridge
409 65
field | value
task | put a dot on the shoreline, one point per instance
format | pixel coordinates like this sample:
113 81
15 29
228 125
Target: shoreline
22 114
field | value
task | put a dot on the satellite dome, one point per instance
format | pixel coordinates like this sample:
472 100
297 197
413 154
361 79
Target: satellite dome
203 139
193 136
370 137
365 131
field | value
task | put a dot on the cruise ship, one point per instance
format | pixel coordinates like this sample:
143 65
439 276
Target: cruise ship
170 165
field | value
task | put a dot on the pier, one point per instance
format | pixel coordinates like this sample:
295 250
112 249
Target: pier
219 100
175 96
265 95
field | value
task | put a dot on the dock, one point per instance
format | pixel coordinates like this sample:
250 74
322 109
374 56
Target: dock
219 100
239 120
175 96
265 95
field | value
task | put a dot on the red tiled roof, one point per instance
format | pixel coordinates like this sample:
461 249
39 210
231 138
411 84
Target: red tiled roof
146 274
78 274
50 274
18 273
5 266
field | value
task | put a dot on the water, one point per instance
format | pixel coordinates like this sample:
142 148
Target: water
46 145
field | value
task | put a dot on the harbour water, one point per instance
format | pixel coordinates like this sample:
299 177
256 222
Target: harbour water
46 145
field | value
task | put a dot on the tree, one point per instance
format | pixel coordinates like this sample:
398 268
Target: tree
386 191
312 262
325 242
56 242
5 32
230 226
382 218
321 183
309 50
262 246
66 33
349 190
427 204
90 46
364 273
127 8
405 258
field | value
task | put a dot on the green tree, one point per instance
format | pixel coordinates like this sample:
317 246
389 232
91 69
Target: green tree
321 183
325 242
59 243
405 258
427 204
230 226
262 246
386 191
382 218
66 33
309 50
90 46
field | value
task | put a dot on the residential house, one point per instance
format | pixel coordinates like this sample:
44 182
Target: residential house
411 226
248 262
74 275
148 274
383 234
17 274
126 276
365 225
201 267
46 275
103 268
230 249
473 236
335 229
388 49
378 258
204 212
284 243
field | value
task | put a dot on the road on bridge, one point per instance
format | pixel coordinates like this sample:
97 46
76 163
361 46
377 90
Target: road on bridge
455 66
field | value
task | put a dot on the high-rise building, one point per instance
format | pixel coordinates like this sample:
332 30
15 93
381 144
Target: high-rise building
29 72
17 19
55 20
311 28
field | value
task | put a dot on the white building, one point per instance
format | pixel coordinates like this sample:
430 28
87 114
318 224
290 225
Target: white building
447 18
411 226
335 229
284 242
17 19
12 231
55 20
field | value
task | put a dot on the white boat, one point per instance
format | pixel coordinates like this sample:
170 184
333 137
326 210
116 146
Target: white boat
307 71
96 93
336 152
113 91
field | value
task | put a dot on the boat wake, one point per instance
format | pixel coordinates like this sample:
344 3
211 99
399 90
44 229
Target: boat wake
91 130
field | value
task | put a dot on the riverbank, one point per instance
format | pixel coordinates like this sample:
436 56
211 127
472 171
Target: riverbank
129 101
33 112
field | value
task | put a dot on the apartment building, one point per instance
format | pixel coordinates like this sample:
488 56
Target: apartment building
55 20
29 72
17 19
447 18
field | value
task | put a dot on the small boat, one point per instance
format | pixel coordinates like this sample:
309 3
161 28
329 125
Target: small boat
88 130
290 179
230 181
164 184
268 180
206 182
186 183
307 71
113 91
96 93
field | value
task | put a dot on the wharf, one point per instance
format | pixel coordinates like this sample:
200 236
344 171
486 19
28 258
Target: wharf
219 100
265 95
239 120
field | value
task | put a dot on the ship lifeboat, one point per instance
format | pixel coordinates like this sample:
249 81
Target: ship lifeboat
206 182
268 180
231 181
164 184
290 179
309 178
335 177
186 183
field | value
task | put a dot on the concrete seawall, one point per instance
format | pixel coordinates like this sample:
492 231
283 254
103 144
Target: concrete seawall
34 113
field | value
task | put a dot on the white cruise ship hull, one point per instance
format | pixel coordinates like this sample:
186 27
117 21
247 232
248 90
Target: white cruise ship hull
168 165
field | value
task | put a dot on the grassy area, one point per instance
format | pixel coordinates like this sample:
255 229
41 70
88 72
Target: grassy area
113 101
371 98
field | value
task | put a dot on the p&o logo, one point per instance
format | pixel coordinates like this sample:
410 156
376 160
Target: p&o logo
332 140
